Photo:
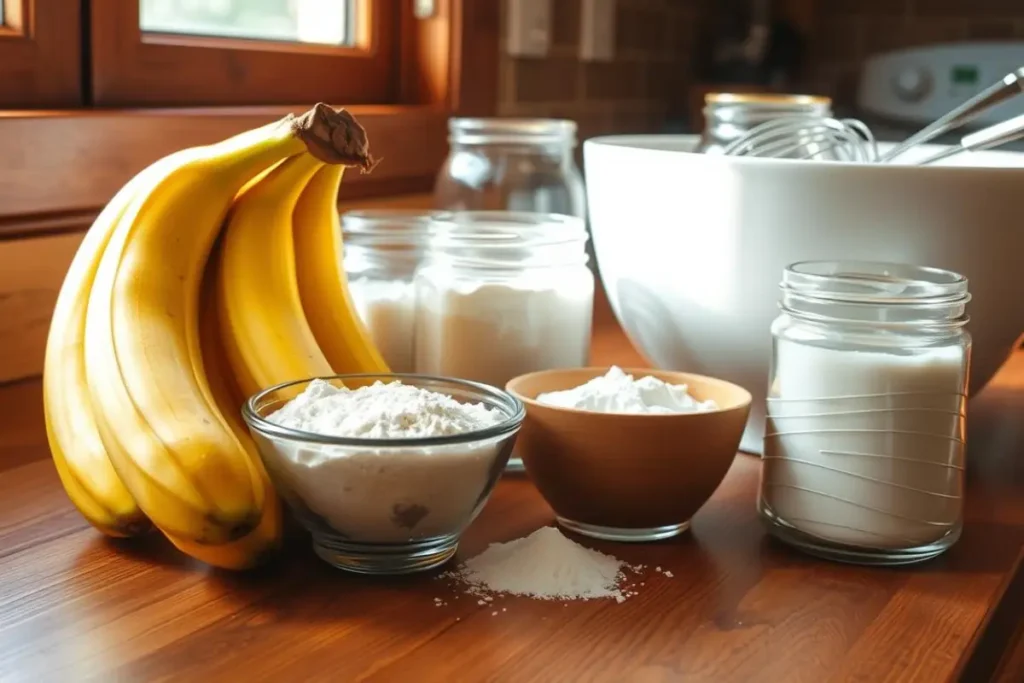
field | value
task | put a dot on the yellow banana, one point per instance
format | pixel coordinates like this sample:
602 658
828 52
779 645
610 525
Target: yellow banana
323 286
75 444
265 332
262 542
166 438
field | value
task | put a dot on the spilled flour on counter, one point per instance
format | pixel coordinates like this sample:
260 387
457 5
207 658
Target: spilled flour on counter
546 566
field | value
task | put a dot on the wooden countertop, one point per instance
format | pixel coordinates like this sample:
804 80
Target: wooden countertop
739 607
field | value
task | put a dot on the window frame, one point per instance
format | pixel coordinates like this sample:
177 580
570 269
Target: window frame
132 67
40 53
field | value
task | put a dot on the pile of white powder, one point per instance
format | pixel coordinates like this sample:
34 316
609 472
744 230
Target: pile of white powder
381 411
384 494
547 566
618 392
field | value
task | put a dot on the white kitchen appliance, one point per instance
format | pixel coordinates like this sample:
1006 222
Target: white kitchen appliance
902 91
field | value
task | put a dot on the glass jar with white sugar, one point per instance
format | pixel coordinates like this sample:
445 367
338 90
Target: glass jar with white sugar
866 415
503 293
383 248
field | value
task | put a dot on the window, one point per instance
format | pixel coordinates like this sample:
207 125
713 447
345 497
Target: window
216 52
302 21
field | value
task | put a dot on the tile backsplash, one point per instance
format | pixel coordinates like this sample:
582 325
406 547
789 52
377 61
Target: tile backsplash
650 78
631 94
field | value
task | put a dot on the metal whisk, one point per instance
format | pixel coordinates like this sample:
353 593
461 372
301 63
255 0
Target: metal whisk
808 137
819 137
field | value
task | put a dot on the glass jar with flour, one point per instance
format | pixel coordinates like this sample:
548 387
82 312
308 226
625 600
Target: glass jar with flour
865 436
383 248
503 293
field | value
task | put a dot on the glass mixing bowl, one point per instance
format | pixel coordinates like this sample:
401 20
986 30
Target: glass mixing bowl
385 506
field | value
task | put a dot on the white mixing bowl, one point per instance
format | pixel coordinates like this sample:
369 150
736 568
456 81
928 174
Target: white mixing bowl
691 247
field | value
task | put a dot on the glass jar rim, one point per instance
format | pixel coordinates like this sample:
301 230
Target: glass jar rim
388 220
522 131
406 226
877 283
508 241
506 229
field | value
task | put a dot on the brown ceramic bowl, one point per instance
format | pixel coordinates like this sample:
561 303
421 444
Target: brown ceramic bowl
628 477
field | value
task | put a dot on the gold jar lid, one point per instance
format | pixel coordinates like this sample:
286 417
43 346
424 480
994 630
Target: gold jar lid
766 98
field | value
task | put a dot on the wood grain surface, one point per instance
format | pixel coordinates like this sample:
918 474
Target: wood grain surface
738 606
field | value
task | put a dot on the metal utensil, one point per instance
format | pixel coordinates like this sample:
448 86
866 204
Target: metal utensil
986 138
807 137
1010 86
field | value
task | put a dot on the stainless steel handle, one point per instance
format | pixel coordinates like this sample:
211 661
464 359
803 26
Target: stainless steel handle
1010 86
986 138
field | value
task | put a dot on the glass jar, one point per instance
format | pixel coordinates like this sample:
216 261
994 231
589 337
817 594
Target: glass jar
501 294
866 412
382 249
727 117
511 165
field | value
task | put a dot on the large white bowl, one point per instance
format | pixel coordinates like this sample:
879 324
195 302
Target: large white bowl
691 247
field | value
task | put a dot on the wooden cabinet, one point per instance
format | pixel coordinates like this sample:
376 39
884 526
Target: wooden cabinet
31 273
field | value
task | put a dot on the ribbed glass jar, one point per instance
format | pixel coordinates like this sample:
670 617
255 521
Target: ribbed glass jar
866 412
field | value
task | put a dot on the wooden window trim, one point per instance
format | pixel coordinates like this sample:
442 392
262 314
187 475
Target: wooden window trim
127 63
40 53
63 166
68 164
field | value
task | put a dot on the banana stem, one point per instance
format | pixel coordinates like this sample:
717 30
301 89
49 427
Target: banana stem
334 137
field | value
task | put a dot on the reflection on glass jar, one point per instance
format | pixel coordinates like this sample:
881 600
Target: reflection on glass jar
727 117
501 294
511 164
382 251
864 441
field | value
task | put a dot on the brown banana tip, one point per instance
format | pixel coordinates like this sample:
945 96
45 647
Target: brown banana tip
334 136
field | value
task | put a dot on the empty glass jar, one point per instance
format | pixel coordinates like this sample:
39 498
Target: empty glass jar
727 116
524 165
510 164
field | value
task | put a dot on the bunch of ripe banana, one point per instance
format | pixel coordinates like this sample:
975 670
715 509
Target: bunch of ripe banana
212 274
